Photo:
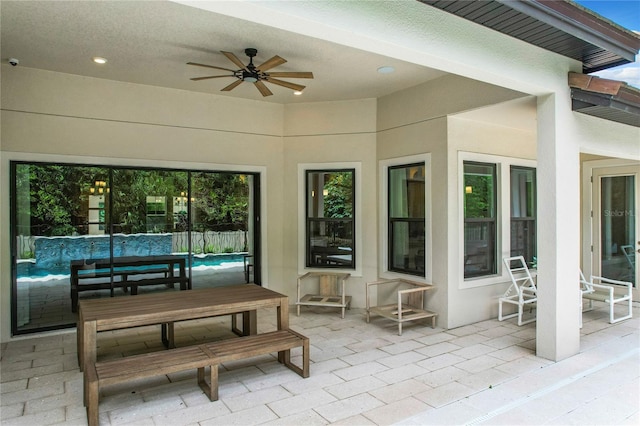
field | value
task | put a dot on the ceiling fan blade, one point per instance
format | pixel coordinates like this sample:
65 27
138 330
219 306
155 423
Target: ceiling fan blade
231 86
292 74
273 62
211 76
209 66
262 88
233 58
286 84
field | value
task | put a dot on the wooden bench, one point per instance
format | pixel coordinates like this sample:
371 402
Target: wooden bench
134 367
198 357
281 341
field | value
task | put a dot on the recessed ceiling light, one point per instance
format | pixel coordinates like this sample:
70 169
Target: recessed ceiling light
298 92
99 60
386 70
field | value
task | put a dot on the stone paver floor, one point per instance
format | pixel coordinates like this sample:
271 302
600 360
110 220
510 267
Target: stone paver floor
361 374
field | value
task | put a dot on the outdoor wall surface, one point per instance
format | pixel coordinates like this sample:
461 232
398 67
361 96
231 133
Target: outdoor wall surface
419 120
426 136
330 135
489 139
48 116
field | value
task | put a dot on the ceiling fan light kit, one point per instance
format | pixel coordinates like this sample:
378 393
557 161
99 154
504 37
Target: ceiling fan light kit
255 74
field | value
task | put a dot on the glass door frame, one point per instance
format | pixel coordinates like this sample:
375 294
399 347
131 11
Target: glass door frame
593 172
257 231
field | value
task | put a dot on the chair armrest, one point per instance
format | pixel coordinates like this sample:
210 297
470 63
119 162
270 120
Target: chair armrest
604 280
606 288
302 277
370 283
415 290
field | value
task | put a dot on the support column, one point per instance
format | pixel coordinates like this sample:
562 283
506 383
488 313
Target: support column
558 175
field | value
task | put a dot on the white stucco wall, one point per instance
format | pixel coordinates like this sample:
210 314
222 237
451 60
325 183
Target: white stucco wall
420 120
49 116
331 135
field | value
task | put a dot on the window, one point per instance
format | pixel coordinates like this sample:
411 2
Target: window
479 219
523 213
406 213
330 227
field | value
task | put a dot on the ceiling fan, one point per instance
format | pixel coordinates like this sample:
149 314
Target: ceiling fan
255 74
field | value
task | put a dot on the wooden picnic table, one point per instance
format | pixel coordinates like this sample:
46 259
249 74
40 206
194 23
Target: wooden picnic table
97 315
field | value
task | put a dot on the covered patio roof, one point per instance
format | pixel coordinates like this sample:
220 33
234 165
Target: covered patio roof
563 27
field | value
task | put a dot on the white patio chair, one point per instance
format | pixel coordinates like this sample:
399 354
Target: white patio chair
522 292
608 291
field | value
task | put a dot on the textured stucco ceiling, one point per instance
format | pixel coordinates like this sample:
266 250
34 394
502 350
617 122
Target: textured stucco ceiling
149 42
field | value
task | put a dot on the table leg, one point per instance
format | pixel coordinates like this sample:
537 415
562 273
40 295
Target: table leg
250 322
167 333
74 289
184 283
283 324
89 343
79 338
283 314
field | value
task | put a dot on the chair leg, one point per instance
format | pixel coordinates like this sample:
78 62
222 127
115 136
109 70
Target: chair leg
611 311
520 315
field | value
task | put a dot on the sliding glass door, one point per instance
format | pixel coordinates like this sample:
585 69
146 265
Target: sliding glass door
83 231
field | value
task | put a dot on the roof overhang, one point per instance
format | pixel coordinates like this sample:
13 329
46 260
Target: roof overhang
563 27
608 99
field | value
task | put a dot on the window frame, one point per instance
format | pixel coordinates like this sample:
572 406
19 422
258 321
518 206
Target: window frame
493 219
327 221
503 214
383 213
303 168
409 219
531 219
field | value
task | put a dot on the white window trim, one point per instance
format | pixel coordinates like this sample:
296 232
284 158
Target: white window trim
383 230
302 219
503 214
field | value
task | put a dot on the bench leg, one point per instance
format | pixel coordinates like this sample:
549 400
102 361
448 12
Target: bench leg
285 356
91 396
210 388
305 358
